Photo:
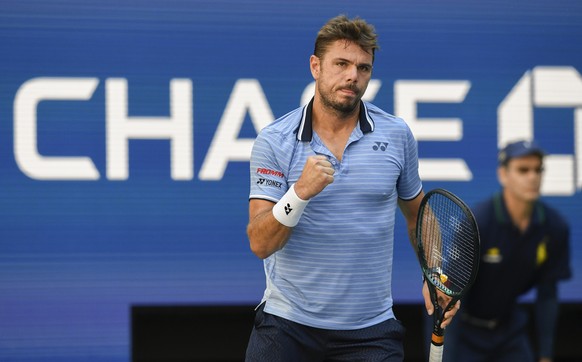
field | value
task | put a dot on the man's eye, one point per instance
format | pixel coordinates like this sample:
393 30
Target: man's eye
525 170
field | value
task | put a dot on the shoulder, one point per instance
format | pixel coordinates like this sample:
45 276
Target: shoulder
384 119
284 127
277 141
554 218
484 210
392 128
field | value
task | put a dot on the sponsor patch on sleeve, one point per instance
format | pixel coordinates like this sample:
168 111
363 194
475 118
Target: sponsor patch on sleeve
269 172
267 182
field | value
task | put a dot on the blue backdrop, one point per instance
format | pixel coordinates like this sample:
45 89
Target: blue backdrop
104 206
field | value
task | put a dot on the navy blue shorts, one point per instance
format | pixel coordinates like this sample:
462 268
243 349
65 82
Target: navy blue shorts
277 339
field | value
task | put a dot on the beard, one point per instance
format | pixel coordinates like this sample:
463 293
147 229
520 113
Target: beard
342 107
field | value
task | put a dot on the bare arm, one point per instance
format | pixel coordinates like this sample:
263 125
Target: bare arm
410 211
266 234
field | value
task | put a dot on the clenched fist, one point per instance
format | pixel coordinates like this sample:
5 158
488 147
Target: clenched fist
317 174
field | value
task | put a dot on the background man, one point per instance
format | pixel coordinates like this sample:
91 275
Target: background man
524 245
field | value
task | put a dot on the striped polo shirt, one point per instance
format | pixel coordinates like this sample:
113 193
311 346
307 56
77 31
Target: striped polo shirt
335 270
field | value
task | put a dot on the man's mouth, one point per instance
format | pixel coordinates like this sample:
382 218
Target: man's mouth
349 90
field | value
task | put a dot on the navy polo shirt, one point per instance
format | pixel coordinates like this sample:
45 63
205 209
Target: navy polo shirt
512 262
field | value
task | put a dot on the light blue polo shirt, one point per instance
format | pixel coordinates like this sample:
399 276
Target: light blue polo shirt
335 271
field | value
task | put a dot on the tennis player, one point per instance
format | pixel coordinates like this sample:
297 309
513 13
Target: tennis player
326 180
524 245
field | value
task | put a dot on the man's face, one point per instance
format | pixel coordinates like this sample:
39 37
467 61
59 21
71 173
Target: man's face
342 75
522 177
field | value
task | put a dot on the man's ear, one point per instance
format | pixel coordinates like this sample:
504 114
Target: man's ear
502 175
315 66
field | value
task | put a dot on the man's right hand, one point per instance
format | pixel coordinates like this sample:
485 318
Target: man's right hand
317 174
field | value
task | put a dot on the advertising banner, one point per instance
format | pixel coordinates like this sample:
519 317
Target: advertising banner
126 129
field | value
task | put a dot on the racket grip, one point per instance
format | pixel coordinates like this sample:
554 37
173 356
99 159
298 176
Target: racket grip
436 353
436 348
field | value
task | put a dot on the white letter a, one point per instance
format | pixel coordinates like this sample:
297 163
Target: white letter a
225 147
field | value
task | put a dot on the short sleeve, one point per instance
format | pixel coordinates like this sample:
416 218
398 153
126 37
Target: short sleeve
409 184
267 177
558 267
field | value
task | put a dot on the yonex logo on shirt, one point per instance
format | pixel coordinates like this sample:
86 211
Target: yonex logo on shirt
380 146
267 182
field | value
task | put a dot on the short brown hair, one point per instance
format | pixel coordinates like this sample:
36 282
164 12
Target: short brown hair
356 30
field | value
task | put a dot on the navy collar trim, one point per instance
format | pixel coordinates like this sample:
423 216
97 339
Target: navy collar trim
305 130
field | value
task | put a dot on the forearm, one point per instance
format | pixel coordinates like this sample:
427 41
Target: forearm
546 313
409 210
412 237
266 234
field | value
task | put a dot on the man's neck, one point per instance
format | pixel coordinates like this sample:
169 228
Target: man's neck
331 121
333 128
520 211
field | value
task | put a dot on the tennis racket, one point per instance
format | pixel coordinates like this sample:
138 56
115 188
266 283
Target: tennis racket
448 251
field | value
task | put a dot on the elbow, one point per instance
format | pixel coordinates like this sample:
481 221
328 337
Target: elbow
260 251
258 248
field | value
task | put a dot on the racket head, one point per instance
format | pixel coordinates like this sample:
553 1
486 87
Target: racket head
448 242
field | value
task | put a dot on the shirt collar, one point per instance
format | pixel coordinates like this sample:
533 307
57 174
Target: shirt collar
502 214
305 130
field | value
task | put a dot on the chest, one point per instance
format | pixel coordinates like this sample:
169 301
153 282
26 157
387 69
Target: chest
503 248
370 165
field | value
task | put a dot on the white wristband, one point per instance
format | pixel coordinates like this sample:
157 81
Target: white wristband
289 209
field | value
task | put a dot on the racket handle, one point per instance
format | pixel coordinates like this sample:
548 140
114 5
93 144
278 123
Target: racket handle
436 353
436 348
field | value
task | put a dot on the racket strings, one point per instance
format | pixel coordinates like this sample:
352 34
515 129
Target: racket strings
448 244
